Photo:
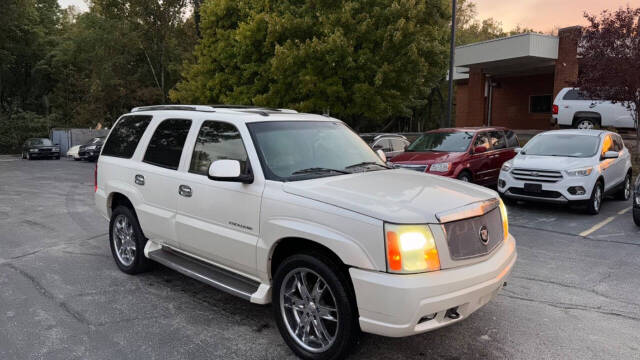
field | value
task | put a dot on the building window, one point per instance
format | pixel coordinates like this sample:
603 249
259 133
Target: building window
540 104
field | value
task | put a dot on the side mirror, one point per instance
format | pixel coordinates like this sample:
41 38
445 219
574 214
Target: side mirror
517 150
382 155
228 170
610 155
479 149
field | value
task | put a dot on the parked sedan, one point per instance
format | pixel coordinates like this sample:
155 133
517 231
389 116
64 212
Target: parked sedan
40 148
467 154
568 166
636 201
91 150
390 144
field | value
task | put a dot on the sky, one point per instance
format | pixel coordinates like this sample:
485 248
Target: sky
544 15
540 15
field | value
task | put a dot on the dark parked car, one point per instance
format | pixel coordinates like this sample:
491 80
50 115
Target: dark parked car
91 150
40 148
636 201
390 144
468 154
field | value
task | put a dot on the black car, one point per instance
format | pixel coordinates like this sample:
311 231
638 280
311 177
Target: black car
390 144
91 150
636 201
39 148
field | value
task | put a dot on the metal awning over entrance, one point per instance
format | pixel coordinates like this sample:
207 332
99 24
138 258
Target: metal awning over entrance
524 54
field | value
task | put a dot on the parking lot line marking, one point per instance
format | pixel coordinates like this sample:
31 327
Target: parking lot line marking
597 226
624 211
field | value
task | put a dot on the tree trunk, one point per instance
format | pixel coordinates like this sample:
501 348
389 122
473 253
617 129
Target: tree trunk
636 154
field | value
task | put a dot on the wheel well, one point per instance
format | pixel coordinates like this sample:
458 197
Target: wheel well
290 246
465 170
118 199
586 115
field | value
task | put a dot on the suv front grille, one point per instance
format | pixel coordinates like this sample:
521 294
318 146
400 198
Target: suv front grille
548 176
420 168
463 236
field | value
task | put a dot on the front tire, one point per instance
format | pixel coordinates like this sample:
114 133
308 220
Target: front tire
586 124
595 202
314 307
465 176
127 242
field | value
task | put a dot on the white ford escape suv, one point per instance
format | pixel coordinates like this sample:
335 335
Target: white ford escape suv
295 209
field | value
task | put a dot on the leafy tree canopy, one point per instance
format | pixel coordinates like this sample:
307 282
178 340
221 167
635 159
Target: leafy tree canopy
362 60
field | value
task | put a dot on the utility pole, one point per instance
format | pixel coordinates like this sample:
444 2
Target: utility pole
451 61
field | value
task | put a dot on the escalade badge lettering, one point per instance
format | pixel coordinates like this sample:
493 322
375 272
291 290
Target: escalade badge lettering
484 235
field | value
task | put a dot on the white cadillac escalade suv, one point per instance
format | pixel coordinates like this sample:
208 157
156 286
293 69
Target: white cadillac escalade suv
295 209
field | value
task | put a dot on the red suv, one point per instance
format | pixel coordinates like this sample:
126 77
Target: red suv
468 154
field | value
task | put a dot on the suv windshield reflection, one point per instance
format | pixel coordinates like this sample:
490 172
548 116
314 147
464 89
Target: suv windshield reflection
442 142
563 145
292 150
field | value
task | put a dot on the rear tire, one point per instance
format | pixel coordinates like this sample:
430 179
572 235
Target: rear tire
636 216
586 123
127 242
595 202
332 313
624 193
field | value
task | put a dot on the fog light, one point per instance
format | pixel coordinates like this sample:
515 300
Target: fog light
501 183
427 318
576 190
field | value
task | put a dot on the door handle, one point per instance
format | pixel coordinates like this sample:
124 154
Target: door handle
185 191
139 180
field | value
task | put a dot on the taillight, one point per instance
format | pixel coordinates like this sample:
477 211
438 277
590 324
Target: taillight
555 109
95 179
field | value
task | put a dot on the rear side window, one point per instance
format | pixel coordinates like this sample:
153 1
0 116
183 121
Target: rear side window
217 141
482 139
497 140
575 95
126 135
512 139
165 146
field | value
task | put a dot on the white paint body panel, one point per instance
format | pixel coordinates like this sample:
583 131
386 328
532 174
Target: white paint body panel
237 226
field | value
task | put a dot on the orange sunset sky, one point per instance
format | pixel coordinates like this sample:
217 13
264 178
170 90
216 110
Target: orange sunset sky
541 15
544 15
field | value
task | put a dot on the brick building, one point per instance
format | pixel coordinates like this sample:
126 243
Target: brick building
512 81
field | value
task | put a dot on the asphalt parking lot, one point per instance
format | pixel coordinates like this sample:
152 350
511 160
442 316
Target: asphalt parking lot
574 294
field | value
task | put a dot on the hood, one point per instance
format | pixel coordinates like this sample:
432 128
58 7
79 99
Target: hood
426 158
536 162
398 196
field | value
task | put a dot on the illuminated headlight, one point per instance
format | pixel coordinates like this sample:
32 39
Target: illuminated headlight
410 249
505 220
506 167
33 150
580 172
440 167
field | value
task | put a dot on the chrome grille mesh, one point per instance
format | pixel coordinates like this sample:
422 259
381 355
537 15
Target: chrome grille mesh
463 236
548 176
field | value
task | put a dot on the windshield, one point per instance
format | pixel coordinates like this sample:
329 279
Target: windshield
442 142
45 142
570 145
298 150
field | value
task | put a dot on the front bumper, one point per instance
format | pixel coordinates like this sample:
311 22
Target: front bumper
557 193
44 154
393 305
89 154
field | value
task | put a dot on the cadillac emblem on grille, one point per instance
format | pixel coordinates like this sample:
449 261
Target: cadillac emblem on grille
484 235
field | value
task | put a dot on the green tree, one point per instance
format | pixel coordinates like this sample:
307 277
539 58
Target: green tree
364 61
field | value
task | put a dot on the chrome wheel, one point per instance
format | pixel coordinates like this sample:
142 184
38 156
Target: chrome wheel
586 124
627 188
124 240
309 310
597 198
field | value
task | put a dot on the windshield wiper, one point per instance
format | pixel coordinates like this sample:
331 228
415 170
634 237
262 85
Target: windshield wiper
365 163
318 170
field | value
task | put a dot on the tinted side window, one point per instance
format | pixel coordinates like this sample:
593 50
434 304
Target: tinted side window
165 146
125 136
398 144
482 139
512 139
497 140
217 141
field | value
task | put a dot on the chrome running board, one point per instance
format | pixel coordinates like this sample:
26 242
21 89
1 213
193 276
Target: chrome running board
215 276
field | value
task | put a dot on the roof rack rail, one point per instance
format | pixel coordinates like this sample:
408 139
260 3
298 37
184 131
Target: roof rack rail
174 107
